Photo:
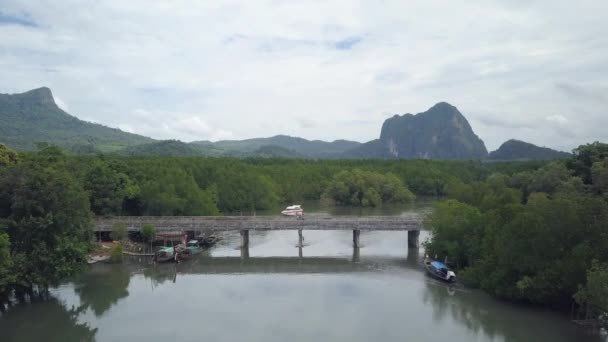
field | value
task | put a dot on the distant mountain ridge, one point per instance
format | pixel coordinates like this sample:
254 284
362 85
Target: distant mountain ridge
520 150
442 132
33 116
303 147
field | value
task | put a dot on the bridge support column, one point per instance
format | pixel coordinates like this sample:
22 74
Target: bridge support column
356 234
245 252
300 239
244 238
356 254
412 238
413 254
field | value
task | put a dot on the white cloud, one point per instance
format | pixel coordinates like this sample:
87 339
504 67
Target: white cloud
61 104
187 126
559 119
248 69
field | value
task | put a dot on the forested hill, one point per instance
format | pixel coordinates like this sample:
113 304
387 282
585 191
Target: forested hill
520 150
33 116
441 132
301 147
161 148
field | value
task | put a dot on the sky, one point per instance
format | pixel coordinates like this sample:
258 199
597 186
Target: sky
209 70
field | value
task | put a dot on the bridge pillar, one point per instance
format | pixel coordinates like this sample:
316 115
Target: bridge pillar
356 254
245 252
412 238
413 254
245 238
356 234
300 239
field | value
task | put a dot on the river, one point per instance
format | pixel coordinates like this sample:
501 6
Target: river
324 292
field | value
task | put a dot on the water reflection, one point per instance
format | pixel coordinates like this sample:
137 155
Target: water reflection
102 287
44 318
161 273
490 319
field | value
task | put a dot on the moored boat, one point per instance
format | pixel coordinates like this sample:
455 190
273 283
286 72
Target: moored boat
293 210
165 254
210 240
192 248
439 271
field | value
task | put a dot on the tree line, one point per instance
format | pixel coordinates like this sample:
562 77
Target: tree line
539 236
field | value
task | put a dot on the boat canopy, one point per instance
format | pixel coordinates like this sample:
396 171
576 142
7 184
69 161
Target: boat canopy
192 241
166 249
439 265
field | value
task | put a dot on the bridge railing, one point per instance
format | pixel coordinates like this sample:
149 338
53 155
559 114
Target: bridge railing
310 222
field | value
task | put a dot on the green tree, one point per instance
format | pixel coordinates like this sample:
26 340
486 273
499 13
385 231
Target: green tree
367 189
6 276
595 290
116 253
584 157
174 191
48 221
148 232
119 232
456 230
549 178
7 156
107 189
599 177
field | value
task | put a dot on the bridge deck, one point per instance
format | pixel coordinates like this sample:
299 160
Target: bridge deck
228 223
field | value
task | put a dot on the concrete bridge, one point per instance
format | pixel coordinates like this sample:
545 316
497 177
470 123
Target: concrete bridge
411 223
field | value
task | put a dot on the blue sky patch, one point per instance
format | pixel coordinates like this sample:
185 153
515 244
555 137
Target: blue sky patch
347 43
7 19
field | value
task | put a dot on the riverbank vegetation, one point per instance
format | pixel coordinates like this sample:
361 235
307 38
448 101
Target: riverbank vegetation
48 199
539 236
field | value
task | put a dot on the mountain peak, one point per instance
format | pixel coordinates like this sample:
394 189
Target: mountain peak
442 132
442 105
42 96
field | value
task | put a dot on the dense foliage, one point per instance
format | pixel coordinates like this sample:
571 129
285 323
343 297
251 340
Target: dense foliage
209 186
46 222
361 188
533 235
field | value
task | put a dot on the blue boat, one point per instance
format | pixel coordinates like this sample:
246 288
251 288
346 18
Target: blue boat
439 271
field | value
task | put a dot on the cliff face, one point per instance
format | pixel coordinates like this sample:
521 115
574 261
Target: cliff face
441 132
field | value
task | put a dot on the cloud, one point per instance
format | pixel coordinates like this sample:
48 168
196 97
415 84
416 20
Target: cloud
188 126
207 70
306 122
61 104
558 119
